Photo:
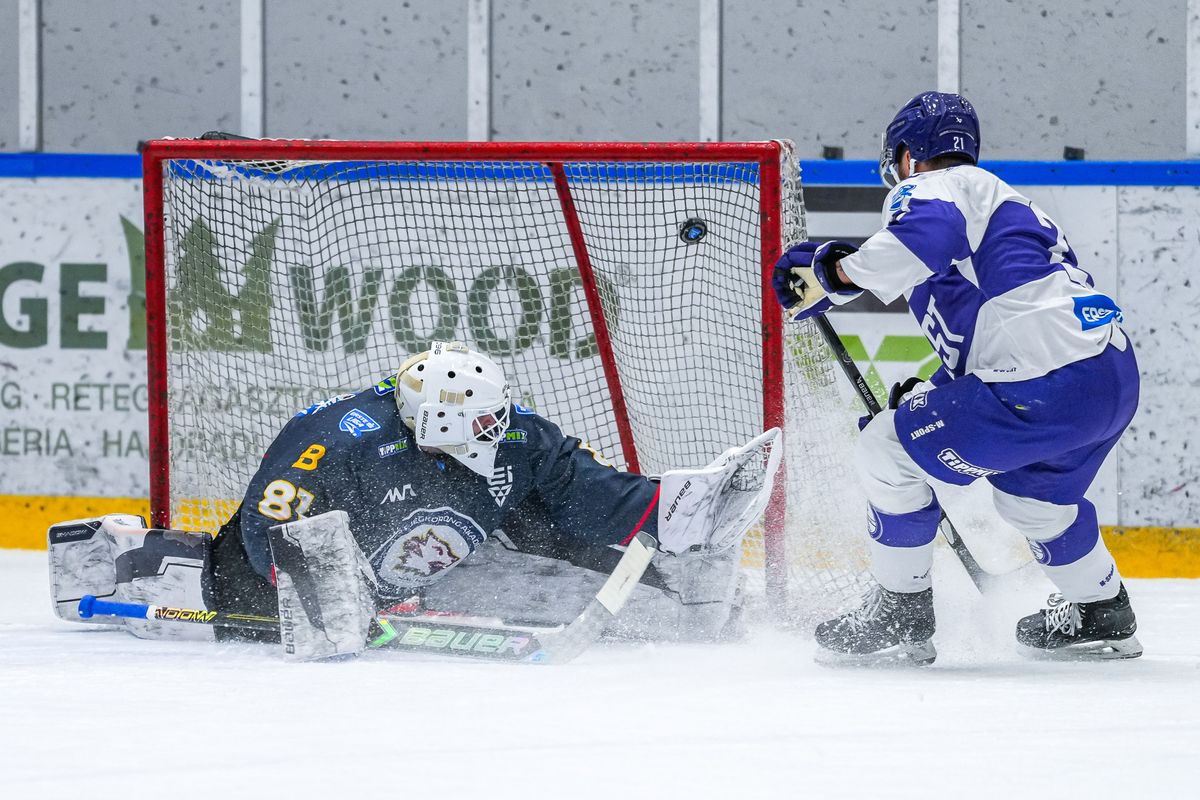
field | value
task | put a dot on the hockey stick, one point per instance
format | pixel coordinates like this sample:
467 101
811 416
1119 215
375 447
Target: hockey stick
469 637
978 575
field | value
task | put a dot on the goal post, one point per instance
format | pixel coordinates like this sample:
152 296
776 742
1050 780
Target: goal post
624 287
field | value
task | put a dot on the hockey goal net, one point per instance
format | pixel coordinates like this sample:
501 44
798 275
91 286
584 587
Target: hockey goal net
621 286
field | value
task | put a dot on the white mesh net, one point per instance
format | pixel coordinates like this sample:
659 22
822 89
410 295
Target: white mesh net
289 282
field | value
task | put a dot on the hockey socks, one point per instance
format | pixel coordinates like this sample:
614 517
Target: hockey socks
901 547
1077 561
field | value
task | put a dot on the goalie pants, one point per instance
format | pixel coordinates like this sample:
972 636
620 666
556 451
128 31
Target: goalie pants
1039 443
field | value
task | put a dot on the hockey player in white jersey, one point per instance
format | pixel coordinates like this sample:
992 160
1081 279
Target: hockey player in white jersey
1037 384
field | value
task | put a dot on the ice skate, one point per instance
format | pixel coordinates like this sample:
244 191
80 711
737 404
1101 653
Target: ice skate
889 627
1081 631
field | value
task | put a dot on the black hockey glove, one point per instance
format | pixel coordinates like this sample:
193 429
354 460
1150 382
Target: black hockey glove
901 391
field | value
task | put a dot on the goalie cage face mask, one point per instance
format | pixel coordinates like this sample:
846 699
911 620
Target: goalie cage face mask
457 402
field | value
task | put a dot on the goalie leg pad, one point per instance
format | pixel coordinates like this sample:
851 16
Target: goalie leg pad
325 588
161 568
81 562
115 558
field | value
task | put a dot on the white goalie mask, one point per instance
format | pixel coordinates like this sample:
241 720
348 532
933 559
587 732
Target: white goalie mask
456 402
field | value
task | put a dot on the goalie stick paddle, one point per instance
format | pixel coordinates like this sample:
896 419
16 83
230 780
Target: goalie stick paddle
978 575
469 637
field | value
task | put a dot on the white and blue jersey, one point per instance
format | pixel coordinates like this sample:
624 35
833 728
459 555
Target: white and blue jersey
989 277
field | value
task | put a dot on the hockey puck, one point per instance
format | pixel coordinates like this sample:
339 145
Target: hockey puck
693 230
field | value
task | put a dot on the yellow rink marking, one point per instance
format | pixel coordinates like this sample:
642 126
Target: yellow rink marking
1140 552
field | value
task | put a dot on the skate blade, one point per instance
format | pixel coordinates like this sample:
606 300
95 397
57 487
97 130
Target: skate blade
1099 650
905 654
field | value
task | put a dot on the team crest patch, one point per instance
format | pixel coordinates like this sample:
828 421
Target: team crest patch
356 423
425 544
900 200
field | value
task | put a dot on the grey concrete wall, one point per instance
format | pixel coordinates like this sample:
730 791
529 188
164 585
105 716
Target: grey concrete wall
824 73
1160 473
1107 76
116 71
579 70
8 75
374 69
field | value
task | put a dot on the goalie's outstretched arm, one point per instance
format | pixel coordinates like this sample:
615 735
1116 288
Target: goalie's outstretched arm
584 494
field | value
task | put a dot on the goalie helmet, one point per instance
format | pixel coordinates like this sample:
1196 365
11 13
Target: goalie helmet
455 401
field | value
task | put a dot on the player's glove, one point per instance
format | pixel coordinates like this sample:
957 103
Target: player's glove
806 282
902 391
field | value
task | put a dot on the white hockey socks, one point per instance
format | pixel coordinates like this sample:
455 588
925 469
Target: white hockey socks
1077 561
901 547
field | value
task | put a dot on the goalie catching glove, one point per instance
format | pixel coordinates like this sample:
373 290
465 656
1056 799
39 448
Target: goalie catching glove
806 282
710 509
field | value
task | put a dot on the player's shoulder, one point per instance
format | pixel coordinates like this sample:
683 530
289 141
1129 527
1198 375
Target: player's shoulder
351 414
960 185
525 426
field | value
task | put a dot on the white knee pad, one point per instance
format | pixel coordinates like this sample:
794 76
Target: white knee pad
891 479
1035 519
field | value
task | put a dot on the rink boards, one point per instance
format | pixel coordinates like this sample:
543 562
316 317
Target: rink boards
72 370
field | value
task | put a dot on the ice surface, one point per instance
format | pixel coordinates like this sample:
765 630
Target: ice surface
93 714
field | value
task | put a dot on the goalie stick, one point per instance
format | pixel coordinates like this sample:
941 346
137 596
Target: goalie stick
982 579
470 637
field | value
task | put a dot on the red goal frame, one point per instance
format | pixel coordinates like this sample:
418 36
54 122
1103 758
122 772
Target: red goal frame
767 155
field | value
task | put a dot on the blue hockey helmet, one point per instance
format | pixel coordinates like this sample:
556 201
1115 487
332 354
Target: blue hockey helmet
930 125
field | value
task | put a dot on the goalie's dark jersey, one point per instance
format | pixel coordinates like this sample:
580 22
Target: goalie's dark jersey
417 514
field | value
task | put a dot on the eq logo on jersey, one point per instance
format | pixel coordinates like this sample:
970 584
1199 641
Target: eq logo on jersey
426 543
356 423
1096 310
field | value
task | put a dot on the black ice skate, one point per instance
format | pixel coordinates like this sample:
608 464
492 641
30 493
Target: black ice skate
1081 631
889 627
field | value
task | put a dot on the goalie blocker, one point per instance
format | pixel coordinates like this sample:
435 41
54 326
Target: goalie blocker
325 598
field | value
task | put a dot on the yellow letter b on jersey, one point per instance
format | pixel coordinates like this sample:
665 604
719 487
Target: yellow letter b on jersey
309 458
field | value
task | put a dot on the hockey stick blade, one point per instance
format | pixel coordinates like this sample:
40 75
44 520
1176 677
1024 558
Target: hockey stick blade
469 637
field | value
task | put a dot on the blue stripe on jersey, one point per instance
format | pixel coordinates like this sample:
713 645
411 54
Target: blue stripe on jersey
1018 248
934 230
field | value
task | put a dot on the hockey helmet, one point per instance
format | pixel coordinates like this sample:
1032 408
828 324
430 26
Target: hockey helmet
930 125
455 401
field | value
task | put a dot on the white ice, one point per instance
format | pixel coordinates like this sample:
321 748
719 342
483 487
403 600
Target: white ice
90 714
